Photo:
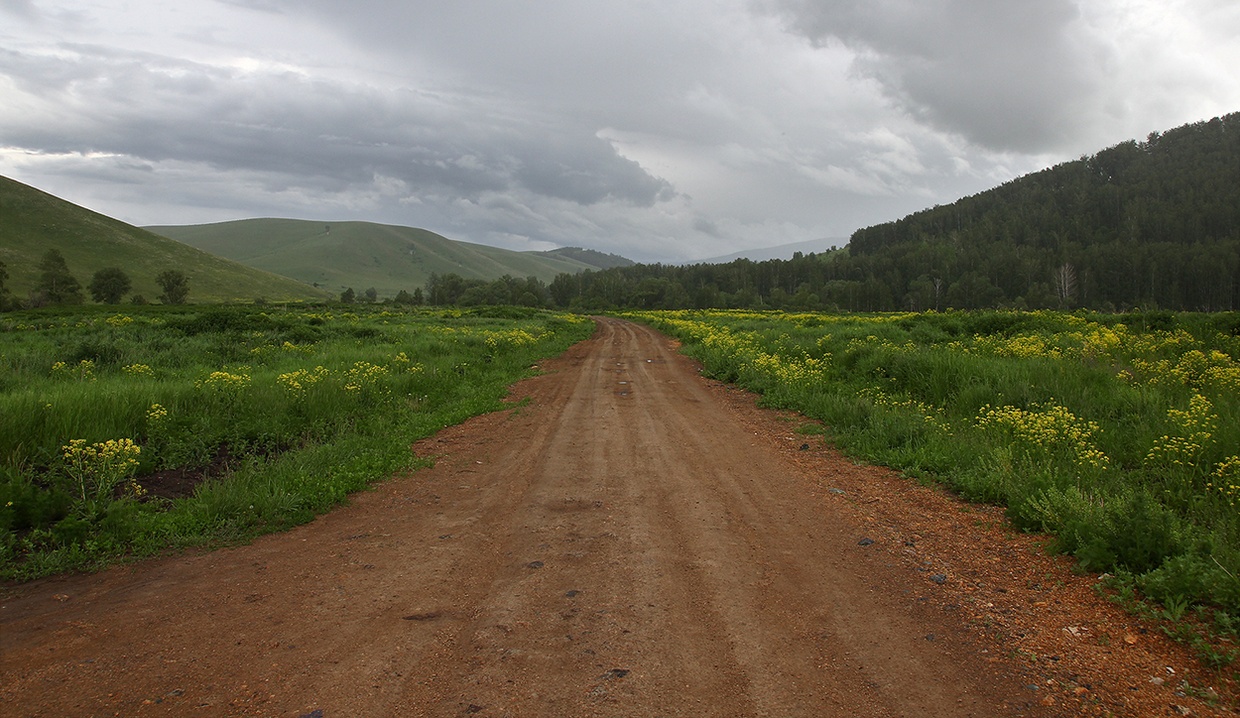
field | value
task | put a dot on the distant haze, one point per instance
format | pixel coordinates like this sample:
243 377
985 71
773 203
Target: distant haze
660 131
783 251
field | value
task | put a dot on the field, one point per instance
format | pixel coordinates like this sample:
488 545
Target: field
125 434
1120 435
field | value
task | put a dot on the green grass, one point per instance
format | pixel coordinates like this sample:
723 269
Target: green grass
1119 435
35 222
310 404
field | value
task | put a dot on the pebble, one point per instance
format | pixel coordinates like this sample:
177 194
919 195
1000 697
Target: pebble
534 564
939 578
865 542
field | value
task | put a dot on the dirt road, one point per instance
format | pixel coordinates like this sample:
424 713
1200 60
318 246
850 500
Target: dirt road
632 540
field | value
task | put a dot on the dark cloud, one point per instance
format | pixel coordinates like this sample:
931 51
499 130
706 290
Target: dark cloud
20 8
157 109
661 130
1006 74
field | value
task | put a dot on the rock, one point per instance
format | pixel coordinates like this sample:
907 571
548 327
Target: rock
571 594
865 542
836 491
534 564
939 578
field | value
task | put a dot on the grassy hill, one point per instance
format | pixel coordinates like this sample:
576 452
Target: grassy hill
338 255
594 258
32 222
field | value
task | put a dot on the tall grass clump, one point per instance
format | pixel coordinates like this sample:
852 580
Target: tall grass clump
281 412
1118 434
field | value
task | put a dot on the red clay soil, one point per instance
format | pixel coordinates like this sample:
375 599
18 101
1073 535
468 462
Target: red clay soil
631 540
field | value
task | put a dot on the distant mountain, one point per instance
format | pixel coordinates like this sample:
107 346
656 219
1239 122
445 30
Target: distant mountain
361 255
33 221
599 260
783 251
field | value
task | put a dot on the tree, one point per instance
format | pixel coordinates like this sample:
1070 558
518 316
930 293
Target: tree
56 285
348 296
108 285
1065 283
371 294
403 297
175 285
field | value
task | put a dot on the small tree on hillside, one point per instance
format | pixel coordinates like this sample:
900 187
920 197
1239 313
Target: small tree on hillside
348 296
109 285
371 294
56 284
175 285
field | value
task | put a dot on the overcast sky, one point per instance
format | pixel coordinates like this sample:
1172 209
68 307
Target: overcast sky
663 130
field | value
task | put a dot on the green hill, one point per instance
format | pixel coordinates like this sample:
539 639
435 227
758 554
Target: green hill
361 255
596 259
32 222
1153 223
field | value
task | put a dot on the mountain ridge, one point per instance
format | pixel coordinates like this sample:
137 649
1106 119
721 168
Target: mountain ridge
361 255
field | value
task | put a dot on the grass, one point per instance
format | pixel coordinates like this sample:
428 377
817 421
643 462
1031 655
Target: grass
1117 434
309 404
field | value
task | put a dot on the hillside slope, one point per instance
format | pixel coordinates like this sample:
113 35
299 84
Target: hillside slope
33 221
1152 223
338 255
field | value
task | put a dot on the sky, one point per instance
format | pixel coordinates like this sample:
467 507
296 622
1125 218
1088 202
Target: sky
662 130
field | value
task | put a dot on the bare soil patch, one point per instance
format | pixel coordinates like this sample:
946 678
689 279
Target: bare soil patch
629 539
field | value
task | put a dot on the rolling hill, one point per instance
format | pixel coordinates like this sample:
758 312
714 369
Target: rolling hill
361 255
33 221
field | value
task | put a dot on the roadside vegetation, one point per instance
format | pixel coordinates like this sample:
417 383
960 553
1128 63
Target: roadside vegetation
158 427
1117 434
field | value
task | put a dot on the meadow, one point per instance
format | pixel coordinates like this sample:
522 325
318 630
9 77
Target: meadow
265 415
1117 434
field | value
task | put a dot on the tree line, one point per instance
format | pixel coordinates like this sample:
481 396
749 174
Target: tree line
58 285
1152 224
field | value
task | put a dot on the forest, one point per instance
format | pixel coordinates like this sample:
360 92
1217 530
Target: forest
1151 224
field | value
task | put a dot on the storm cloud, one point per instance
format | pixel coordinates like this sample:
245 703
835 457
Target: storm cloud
663 131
